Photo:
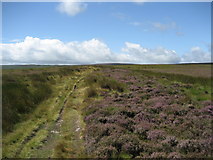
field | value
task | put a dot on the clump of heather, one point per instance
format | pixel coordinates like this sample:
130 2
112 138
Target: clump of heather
187 146
158 155
174 155
169 144
156 134
142 128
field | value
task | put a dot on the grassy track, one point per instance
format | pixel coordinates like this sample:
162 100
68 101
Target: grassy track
43 126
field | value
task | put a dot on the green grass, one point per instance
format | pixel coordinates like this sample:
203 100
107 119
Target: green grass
98 80
19 99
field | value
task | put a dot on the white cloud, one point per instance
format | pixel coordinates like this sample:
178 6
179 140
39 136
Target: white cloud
71 8
53 51
144 55
196 55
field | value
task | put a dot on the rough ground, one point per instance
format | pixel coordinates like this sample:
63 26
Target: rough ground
126 113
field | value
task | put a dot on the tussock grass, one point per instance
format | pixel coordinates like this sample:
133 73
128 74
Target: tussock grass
60 150
104 82
91 92
19 98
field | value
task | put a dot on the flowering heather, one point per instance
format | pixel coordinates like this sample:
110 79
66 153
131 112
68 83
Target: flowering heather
174 155
158 155
208 110
170 141
150 120
156 134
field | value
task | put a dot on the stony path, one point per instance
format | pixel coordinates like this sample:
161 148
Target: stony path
55 131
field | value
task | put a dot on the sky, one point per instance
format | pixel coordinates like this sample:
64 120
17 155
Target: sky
98 32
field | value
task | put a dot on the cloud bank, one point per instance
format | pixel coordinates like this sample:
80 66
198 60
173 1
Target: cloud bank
53 51
71 8
145 55
196 54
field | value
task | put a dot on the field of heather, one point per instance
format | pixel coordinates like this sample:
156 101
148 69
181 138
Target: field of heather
108 111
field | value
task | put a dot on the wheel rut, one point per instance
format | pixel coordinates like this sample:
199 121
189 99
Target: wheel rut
53 129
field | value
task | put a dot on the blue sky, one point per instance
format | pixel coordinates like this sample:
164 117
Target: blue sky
180 27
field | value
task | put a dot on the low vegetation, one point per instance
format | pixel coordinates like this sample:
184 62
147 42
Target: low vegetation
108 111
21 95
105 82
160 107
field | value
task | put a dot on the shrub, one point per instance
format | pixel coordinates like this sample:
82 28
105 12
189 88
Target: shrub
65 71
130 144
60 150
156 134
179 77
174 155
142 128
187 146
91 79
16 100
100 130
104 82
169 143
106 152
90 110
91 92
125 144
128 113
158 155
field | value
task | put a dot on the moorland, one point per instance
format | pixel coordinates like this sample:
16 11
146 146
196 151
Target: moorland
107 111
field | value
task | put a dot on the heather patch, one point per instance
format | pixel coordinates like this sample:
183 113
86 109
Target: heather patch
151 120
